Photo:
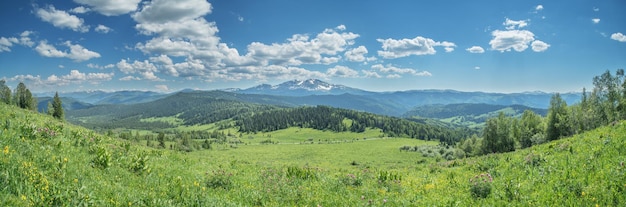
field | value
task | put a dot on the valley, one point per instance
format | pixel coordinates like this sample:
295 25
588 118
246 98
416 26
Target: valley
232 149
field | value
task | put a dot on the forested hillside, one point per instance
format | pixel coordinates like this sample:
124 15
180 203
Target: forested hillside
338 120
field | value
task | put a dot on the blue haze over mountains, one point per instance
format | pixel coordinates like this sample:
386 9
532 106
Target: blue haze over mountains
314 92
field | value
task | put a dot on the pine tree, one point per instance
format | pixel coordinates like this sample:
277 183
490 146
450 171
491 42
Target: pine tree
57 107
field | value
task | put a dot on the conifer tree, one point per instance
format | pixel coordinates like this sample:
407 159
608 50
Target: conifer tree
57 107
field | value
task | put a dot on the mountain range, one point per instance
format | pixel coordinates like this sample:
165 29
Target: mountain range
314 92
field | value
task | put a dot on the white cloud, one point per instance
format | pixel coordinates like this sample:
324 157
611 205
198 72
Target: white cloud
595 20
61 19
371 74
6 44
91 65
342 71
74 77
395 70
477 68
111 7
512 24
539 46
80 10
77 52
146 69
539 7
393 48
619 37
130 78
475 49
301 50
179 30
103 29
240 18
517 40
161 11
595 9
356 54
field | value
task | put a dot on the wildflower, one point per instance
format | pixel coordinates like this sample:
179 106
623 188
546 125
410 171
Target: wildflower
385 200
23 197
65 159
583 193
362 197
6 150
75 180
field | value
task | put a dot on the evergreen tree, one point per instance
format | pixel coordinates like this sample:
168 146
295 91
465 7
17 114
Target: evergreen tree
57 107
5 92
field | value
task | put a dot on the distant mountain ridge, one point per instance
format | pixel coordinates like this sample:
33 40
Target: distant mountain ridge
302 88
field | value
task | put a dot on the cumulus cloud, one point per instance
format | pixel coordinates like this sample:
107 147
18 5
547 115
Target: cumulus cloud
356 54
6 44
395 71
77 52
161 11
595 20
74 77
179 31
103 29
419 45
619 37
300 49
61 19
512 24
342 71
111 7
539 46
475 49
517 40
145 68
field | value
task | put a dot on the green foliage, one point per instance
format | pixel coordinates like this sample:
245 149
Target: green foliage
219 179
57 107
5 92
300 172
480 185
102 158
497 135
558 123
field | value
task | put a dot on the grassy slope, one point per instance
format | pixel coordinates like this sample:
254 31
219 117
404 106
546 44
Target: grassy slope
62 169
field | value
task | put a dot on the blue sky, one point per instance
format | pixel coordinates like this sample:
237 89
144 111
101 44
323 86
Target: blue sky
169 45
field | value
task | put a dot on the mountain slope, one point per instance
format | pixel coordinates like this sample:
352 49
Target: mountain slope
66 165
470 115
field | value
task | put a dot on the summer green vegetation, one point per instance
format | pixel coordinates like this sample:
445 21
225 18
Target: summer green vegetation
573 157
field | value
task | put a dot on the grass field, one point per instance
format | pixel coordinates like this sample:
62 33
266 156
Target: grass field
47 163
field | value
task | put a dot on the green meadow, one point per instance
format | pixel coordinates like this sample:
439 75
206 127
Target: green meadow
45 162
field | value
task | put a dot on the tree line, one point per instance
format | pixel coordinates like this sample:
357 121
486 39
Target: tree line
339 120
23 98
604 105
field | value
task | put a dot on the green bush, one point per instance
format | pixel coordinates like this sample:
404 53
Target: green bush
480 185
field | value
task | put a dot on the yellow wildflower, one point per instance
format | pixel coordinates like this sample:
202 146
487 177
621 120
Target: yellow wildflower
23 197
583 193
65 159
75 180
6 150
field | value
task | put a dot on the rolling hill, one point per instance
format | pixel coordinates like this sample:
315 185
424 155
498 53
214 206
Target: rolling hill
45 162
470 115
